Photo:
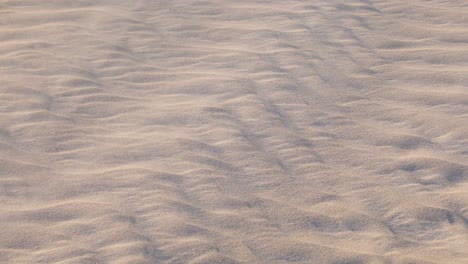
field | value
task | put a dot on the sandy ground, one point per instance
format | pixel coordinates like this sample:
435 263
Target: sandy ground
234 131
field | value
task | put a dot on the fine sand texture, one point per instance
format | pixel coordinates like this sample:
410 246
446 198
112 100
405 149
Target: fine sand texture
234 131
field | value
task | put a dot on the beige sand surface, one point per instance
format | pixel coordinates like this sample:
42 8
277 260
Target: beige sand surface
234 131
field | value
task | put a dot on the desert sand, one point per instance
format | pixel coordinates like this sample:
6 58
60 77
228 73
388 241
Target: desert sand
234 131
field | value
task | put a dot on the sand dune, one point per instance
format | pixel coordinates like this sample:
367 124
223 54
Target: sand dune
189 131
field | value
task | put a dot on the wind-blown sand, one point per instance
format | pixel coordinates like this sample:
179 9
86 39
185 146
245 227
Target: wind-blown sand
227 131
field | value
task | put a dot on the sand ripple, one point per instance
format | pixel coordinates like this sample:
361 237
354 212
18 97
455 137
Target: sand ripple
234 131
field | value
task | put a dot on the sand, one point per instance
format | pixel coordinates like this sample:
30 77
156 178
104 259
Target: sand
234 131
